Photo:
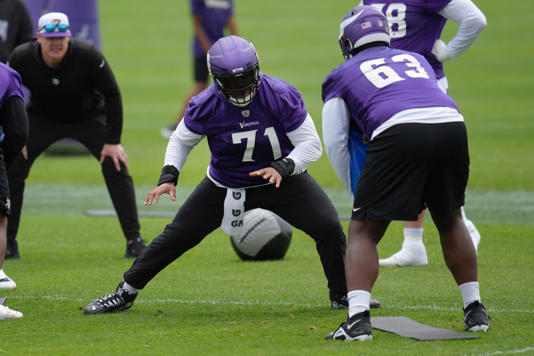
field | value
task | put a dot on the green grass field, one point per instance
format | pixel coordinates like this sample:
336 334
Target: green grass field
209 302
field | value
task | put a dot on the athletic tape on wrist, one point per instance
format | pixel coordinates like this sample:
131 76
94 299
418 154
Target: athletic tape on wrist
169 174
285 166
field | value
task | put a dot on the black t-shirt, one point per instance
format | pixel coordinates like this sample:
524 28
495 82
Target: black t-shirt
81 87
15 26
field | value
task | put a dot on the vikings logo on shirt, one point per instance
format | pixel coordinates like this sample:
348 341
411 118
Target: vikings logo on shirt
244 124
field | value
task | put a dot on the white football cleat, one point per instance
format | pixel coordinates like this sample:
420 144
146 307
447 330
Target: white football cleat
410 255
6 313
6 282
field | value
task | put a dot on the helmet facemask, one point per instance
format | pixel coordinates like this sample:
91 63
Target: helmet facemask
239 89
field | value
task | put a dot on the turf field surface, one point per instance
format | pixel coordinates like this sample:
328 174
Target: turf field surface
209 302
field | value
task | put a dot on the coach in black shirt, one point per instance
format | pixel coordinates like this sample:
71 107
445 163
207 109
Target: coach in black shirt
73 95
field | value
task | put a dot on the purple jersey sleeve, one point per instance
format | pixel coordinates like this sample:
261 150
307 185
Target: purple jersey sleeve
10 84
414 25
381 82
245 139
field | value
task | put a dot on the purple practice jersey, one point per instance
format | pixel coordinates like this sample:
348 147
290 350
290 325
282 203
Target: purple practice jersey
380 82
10 84
215 15
414 25
245 139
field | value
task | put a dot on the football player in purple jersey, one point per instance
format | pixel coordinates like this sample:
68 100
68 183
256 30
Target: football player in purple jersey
416 26
262 140
418 156
13 135
210 18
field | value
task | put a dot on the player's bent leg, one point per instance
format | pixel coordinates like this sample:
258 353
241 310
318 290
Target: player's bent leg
460 257
458 249
17 175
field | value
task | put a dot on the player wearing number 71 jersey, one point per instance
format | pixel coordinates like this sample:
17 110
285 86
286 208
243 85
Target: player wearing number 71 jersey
262 140
417 157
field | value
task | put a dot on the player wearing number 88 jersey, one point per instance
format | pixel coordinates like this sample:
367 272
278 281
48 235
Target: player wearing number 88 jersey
261 139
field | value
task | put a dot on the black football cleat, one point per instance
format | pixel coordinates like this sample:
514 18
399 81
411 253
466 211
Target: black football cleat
12 250
476 317
358 327
119 300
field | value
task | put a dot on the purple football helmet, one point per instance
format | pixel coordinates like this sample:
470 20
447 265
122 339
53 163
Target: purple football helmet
234 65
362 25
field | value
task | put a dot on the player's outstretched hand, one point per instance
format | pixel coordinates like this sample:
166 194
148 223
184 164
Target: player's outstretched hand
116 153
268 173
154 194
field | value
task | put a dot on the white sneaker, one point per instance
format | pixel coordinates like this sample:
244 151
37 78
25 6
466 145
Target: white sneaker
6 313
6 282
410 255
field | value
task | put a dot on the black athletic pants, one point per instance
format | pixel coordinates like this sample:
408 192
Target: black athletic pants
299 200
92 134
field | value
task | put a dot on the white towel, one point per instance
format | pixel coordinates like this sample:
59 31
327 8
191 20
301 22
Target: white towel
234 211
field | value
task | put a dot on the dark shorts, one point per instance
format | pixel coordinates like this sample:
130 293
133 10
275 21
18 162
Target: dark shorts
410 166
200 69
4 187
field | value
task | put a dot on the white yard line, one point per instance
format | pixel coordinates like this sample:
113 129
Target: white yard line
508 352
259 303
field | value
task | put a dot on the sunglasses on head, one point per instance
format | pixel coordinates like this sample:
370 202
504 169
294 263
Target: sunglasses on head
52 28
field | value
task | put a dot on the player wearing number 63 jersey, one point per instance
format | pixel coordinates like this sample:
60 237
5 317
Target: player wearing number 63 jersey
417 156
416 26
261 139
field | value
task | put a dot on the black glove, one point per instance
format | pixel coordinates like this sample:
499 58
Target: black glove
285 166
169 174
